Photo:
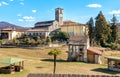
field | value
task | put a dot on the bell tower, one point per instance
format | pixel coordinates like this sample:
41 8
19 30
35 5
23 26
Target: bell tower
59 16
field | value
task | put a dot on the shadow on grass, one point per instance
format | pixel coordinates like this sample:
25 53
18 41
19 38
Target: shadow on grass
61 60
39 67
105 70
51 60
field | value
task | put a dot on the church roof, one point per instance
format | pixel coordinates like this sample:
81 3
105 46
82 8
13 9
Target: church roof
71 23
44 23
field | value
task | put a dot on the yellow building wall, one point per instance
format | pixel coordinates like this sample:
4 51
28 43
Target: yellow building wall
74 30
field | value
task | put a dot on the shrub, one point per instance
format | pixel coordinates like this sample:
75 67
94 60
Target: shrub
113 46
16 42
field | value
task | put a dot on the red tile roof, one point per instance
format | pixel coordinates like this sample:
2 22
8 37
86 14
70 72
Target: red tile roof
94 50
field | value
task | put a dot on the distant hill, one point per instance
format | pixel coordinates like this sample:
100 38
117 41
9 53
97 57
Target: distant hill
8 25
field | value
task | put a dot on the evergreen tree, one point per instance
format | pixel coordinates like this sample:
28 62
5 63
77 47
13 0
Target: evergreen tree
102 30
48 40
90 24
114 28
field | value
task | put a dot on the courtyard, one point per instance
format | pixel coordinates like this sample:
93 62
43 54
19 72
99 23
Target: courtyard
37 60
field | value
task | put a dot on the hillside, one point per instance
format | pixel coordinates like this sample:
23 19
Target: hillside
6 25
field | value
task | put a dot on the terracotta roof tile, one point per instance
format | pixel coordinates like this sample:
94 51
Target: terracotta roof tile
94 50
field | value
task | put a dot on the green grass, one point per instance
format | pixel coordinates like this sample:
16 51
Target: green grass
38 61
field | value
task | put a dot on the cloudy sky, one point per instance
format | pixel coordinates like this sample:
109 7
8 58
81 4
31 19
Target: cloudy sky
27 12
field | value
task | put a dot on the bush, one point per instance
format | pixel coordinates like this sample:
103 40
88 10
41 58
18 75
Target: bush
107 45
33 42
16 42
113 46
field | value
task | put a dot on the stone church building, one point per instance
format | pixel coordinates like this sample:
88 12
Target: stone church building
44 28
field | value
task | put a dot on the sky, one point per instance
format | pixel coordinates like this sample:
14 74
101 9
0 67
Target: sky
26 13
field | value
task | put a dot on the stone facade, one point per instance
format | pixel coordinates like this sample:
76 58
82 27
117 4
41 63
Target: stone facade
46 27
77 48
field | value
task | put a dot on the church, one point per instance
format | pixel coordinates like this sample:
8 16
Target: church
44 28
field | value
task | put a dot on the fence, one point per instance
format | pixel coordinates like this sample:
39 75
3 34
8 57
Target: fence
67 75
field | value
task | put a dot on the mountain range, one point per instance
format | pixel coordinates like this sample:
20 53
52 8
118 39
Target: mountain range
6 25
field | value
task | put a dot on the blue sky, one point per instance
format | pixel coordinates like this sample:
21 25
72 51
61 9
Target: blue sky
27 12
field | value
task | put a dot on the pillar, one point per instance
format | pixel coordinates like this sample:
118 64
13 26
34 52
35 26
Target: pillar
23 64
69 53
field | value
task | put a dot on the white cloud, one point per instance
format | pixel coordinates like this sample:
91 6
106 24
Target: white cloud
4 3
34 11
118 15
0 4
94 5
11 0
29 18
21 3
117 12
20 20
19 15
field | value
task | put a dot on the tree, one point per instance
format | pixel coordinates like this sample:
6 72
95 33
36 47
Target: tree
90 24
54 52
27 40
60 36
16 42
1 42
48 40
37 39
114 28
102 30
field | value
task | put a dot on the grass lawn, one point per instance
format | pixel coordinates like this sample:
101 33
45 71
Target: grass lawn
37 60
